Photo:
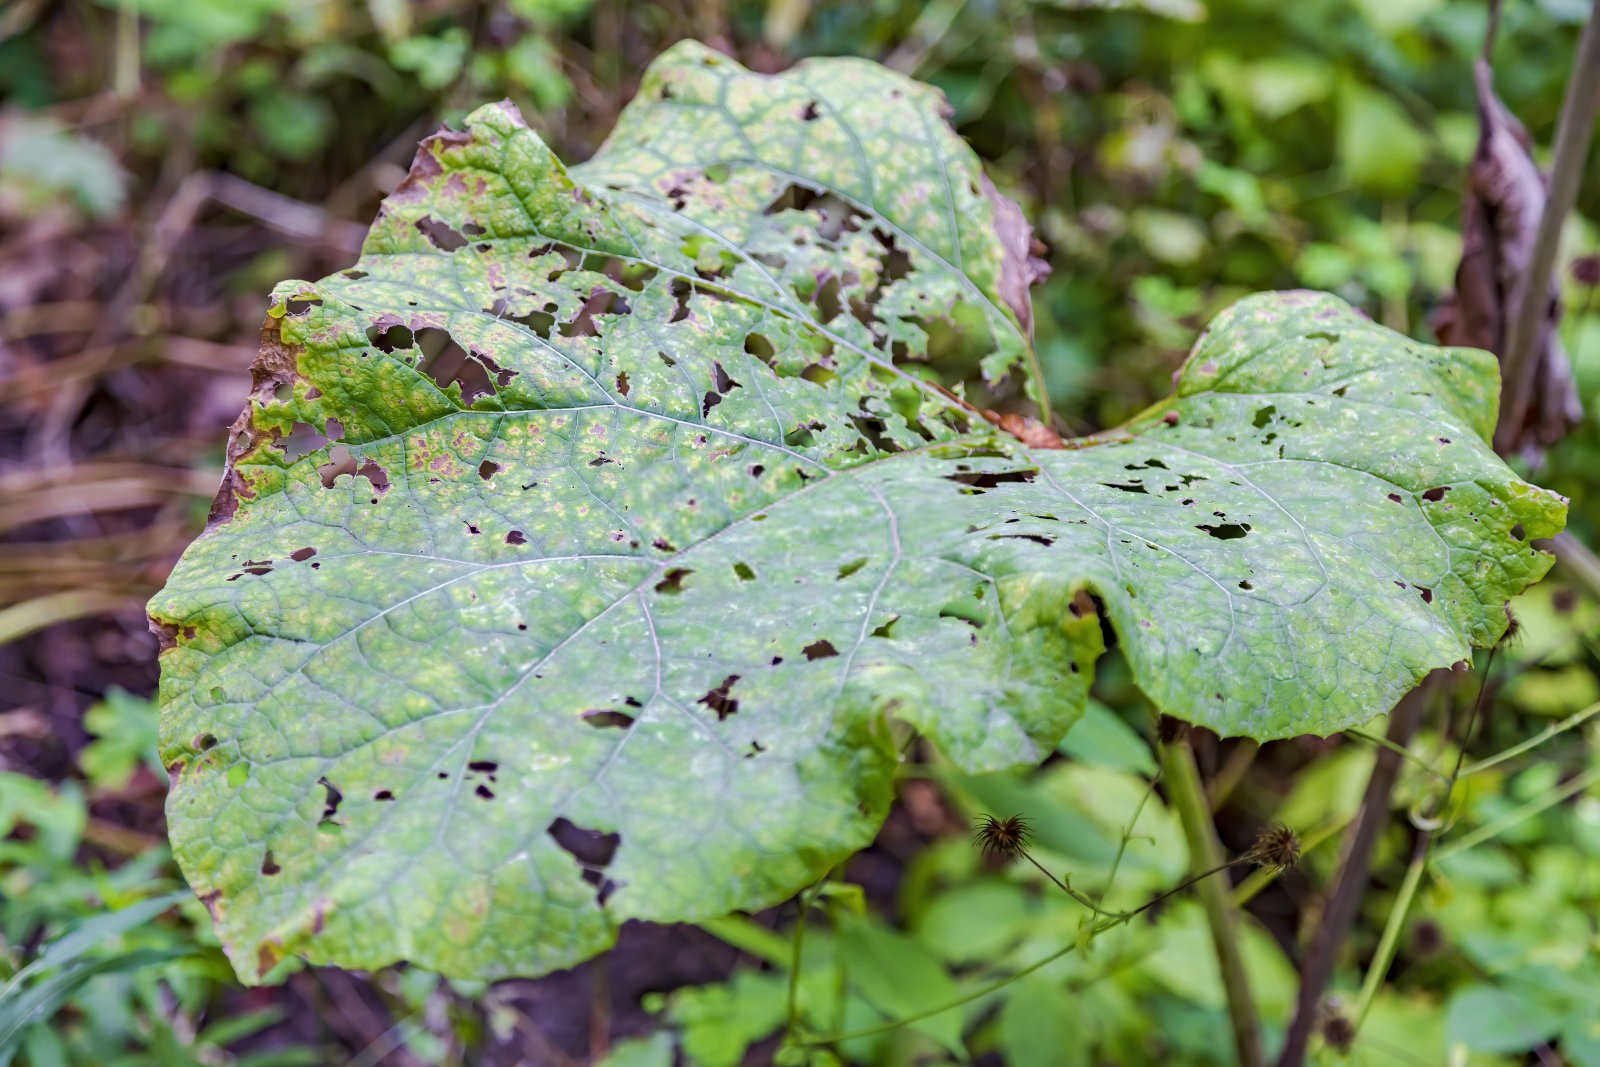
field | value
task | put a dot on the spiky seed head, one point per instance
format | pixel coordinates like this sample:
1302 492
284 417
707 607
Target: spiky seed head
1276 846
1005 838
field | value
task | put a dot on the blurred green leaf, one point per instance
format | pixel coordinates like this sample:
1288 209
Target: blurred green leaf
1104 737
125 729
900 978
1380 150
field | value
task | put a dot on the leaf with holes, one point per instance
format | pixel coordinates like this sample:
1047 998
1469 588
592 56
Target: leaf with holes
578 547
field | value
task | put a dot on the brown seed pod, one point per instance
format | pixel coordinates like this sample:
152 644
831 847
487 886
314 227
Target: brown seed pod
1276 846
1339 1032
1003 837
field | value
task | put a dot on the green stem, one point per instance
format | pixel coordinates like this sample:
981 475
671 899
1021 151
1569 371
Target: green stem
1187 795
895 1024
1391 929
1577 718
1399 750
797 945
1127 835
1519 815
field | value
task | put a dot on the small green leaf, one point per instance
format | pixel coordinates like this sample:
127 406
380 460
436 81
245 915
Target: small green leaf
1103 737
577 543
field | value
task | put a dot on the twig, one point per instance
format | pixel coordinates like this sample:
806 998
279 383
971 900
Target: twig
1531 299
1205 852
1352 878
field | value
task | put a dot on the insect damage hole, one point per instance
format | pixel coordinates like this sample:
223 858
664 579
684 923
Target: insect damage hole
1225 531
592 849
719 700
607 719
447 363
441 235
672 583
331 801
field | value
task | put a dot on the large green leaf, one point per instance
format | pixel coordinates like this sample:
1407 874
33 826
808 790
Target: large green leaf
577 544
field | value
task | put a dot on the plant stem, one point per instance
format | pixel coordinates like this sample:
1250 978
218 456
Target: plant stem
1379 967
1221 787
1404 753
797 946
1352 878
1127 835
1205 852
1573 131
1511 818
1391 929
1577 718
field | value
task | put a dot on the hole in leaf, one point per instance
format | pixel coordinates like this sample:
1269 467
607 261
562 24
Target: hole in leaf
447 363
718 699
820 650
589 847
389 339
607 719
672 584
332 799
990 479
758 346
441 235
383 794
1038 539
885 629
1435 494
487 468
300 555
516 537
1225 531
269 866
744 572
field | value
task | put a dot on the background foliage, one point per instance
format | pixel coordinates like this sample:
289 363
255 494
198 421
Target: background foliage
162 162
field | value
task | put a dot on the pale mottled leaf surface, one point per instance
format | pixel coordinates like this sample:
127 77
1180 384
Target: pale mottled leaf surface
578 544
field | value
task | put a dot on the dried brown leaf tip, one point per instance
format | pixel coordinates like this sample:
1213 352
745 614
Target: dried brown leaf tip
1004 838
1276 846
